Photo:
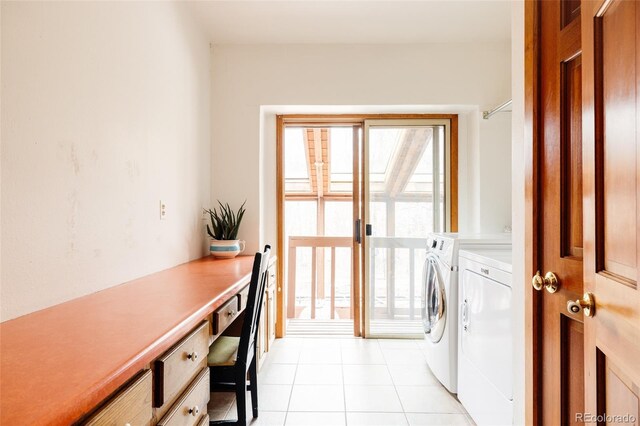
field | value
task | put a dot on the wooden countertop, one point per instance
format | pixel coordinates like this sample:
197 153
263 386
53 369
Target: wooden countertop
57 364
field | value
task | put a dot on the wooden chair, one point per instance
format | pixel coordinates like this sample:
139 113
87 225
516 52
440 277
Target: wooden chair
230 358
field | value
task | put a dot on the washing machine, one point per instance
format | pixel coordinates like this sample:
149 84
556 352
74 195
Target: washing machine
485 349
440 299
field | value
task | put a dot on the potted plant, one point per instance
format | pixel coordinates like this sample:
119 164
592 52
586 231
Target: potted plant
224 231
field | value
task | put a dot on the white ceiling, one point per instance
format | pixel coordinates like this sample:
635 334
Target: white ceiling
354 21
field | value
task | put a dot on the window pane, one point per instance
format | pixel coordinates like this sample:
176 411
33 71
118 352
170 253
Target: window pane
300 218
338 218
421 179
295 161
341 159
413 219
382 144
378 217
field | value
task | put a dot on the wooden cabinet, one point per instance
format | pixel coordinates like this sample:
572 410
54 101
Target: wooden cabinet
131 405
243 296
271 315
177 367
261 344
204 421
192 406
175 390
225 315
267 326
137 324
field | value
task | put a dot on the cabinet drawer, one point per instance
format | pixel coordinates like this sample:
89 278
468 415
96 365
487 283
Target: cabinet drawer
225 315
204 421
243 296
192 405
177 367
132 405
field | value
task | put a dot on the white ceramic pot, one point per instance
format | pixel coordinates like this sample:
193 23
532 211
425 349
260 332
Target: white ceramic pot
226 248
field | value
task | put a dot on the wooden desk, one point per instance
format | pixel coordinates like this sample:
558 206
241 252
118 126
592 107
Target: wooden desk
59 363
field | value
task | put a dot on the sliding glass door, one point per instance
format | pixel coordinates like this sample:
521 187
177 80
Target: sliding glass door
406 196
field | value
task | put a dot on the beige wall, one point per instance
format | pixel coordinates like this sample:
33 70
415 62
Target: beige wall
106 112
517 167
251 83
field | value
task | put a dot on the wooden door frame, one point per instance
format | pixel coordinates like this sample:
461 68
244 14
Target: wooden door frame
356 119
532 298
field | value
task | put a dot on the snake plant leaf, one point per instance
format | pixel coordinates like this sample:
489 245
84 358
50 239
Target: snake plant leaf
225 222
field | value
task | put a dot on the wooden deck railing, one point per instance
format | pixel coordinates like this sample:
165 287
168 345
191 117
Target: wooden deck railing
391 244
314 243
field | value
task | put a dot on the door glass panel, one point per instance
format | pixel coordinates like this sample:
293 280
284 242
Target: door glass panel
405 199
318 227
295 161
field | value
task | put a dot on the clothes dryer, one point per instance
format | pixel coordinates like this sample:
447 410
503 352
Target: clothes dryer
440 299
485 343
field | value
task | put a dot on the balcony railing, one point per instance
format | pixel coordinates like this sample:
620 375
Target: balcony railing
387 302
315 243
395 294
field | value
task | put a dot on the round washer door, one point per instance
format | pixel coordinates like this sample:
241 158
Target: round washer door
433 299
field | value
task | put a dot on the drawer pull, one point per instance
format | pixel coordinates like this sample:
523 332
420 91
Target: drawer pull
231 313
193 356
194 411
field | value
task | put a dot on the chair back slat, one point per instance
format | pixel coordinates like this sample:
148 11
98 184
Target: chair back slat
248 337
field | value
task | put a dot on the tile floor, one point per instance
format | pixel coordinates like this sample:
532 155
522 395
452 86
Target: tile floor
347 381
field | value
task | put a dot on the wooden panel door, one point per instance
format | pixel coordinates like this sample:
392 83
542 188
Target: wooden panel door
583 183
611 63
558 241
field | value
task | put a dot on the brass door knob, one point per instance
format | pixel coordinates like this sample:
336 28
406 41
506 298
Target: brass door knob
549 282
587 304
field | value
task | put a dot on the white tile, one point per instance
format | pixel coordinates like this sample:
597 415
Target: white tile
321 343
283 355
317 398
418 419
416 374
398 343
358 342
272 397
319 374
277 374
372 398
404 356
320 355
315 419
376 419
359 374
365 355
289 342
265 418
428 399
